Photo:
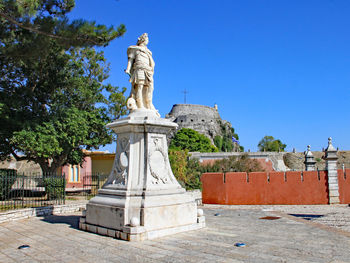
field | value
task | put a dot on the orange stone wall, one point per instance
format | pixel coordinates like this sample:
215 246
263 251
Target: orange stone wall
260 188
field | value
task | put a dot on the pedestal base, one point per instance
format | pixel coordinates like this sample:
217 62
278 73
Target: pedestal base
118 216
139 233
141 198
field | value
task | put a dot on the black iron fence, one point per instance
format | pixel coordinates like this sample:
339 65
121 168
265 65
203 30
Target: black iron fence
93 182
30 190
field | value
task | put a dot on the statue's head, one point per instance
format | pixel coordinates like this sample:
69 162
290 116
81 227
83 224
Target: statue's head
143 39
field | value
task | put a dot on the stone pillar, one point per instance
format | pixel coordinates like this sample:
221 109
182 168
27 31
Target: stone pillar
309 160
331 166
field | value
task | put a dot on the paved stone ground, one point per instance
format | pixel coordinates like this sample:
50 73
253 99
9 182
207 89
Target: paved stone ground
287 239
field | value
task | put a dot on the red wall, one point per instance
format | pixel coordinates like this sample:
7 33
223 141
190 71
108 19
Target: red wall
344 186
265 188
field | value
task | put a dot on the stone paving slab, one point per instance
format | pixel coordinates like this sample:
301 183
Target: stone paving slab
289 238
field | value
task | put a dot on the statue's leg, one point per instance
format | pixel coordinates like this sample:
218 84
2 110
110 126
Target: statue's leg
146 96
139 100
150 96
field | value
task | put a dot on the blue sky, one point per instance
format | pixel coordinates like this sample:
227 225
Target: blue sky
279 68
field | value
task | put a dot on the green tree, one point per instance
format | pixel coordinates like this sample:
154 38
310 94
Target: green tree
191 140
53 100
269 144
45 20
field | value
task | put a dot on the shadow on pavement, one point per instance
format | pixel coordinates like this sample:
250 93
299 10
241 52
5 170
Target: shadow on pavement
71 220
307 216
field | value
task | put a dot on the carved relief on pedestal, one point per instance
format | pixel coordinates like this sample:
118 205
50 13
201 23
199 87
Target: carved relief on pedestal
158 162
119 174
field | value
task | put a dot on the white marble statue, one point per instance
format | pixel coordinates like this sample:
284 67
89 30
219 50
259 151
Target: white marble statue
141 198
140 68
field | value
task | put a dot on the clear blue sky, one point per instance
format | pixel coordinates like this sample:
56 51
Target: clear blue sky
279 68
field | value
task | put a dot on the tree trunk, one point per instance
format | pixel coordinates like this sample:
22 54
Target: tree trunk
47 168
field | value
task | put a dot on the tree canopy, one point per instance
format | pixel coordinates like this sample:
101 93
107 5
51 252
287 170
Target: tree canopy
191 140
45 20
53 99
269 144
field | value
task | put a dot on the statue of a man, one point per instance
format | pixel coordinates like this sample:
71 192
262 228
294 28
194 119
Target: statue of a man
140 69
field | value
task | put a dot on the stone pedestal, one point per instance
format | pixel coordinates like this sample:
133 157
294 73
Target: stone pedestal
141 198
309 160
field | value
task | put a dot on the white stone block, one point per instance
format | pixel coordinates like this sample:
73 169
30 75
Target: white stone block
111 233
82 226
102 231
91 228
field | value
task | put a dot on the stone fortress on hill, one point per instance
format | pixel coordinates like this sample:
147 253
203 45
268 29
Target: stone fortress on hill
203 119
206 120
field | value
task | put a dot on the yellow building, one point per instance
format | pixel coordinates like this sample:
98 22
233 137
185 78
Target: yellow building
101 162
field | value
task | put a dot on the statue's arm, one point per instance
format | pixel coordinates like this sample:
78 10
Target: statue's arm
128 67
131 57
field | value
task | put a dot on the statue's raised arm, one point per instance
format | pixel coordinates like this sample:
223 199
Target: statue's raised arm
140 68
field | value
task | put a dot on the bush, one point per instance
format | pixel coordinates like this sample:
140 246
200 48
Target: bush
240 163
186 170
55 187
7 179
225 143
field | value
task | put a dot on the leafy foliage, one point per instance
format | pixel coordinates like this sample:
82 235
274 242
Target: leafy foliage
7 179
53 100
224 143
186 170
241 163
269 144
191 140
55 187
46 20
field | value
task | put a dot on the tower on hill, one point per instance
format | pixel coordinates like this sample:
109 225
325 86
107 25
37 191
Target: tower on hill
203 119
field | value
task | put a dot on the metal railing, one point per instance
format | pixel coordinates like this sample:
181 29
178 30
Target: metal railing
93 182
30 190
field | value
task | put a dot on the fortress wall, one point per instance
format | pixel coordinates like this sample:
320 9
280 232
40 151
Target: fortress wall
344 185
201 118
206 112
260 188
274 188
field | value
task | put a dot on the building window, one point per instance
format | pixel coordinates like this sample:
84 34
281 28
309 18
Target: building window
74 173
71 175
